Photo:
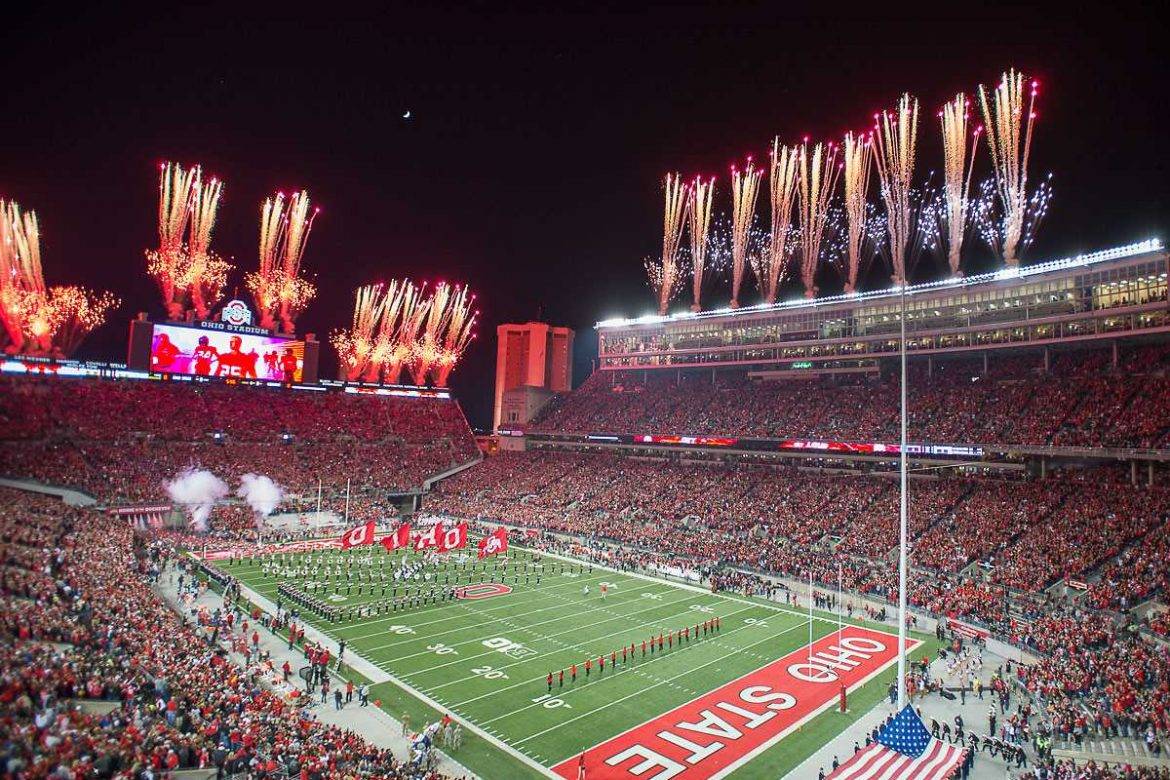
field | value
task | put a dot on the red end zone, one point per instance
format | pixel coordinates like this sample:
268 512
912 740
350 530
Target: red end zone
721 729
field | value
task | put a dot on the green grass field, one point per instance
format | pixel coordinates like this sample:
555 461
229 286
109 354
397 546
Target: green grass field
487 660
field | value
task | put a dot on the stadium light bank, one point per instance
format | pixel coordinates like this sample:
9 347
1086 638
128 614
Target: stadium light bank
1018 272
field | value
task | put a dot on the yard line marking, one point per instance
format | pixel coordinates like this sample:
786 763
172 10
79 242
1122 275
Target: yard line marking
596 710
472 611
831 619
657 606
640 665
510 604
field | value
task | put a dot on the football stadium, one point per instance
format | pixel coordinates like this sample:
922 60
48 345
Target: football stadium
878 488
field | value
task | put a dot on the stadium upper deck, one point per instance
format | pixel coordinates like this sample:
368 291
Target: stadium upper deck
1110 294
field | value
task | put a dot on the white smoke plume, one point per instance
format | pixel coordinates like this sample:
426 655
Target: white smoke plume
261 493
197 490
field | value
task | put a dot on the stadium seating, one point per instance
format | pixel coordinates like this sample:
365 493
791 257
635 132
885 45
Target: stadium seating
1080 401
121 440
1029 534
99 632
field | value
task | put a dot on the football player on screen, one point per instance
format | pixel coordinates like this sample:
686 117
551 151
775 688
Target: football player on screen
204 355
235 363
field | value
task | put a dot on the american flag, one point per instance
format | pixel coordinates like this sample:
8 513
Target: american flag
904 751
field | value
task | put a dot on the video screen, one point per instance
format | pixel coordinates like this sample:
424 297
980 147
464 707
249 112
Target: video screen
176 349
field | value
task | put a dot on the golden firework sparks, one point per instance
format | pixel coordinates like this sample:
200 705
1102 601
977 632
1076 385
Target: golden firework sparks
1009 140
40 320
662 274
957 169
355 345
460 325
277 286
699 203
895 139
176 194
858 153
817 179
745 186
782 185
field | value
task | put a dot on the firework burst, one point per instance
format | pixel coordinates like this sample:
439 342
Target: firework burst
425 349
958 166
987 217
745 185
40 320
1009 140
460 332
699 203
203 274
817 179
782 180
858 153
277 287
895 140
663 274
176 194
355 345
415 310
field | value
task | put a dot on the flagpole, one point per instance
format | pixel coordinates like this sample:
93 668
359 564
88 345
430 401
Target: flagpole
810 615
840 605
902 523
347 499
318 499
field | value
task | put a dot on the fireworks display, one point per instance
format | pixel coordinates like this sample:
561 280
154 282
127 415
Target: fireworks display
895 140
663 274
425 350
858 153
176 194
782 179
817 178
397 326
278 289
745 185
354 346
988 219
399 300
958 166
1009 140
203 274
40 320
699 202
458 335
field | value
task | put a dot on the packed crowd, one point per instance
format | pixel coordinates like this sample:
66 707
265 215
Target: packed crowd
1026 534
80 622
1098 679
122 440
1081 400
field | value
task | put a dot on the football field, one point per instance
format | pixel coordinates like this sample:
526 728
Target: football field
736 689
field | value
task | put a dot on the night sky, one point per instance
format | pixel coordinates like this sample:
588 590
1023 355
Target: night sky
531 164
